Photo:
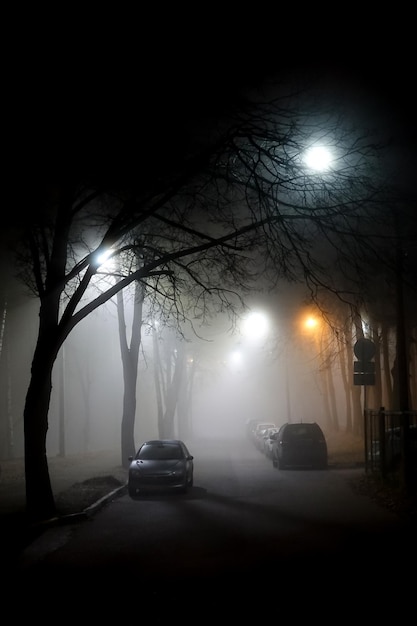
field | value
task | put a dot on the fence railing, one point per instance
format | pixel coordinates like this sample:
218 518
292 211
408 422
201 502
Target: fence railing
391 442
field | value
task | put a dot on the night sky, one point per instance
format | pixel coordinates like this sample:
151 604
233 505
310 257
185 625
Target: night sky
106 93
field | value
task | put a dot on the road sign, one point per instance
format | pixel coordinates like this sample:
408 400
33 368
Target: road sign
363 379
363 373
364 368
364 349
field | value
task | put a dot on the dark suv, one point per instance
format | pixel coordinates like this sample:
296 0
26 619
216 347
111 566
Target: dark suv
300 444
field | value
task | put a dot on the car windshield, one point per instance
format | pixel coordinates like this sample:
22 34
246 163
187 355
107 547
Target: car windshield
159 452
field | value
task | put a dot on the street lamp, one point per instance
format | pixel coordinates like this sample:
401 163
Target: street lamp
236 359
255 326
311 322
103 257
318 158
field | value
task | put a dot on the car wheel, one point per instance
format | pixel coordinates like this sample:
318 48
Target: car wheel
132 491
281 464
274 462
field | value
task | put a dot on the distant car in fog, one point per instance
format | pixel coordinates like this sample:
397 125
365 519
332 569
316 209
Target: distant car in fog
268 441
161 464
259 433
252 427
299 444
251 424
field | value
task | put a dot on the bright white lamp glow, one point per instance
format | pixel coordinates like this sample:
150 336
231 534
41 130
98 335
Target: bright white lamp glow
236 358
103 257
255 325
318 158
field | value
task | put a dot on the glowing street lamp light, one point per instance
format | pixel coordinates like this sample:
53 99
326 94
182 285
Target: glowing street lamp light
236 358
318 158
312 327
311 323
103 258
255 326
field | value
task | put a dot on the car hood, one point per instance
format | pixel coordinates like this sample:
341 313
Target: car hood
157 466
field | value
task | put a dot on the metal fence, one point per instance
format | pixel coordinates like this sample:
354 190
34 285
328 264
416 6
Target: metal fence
391 443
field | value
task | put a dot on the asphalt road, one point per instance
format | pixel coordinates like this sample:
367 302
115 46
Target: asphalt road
245 531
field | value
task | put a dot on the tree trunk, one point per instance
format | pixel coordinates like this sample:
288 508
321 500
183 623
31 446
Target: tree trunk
128 447
62 434
347 385
40 504
173 391
130 356
388 402
157 372
185 423
332 398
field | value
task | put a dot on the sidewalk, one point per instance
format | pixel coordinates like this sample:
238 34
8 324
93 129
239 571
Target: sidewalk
63 471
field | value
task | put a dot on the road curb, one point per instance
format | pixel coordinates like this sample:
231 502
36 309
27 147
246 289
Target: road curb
82 515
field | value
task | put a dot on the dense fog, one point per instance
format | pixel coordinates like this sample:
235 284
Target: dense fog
239 375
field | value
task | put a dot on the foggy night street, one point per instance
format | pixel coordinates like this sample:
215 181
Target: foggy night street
243 523
208 264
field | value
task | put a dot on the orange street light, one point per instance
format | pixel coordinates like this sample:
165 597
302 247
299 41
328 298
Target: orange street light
311 322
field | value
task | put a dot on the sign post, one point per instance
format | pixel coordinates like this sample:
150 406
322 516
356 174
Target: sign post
364 374
364 367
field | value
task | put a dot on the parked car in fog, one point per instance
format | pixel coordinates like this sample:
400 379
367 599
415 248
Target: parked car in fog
268 441
259 433
254 426
250 426
161 464
300 444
